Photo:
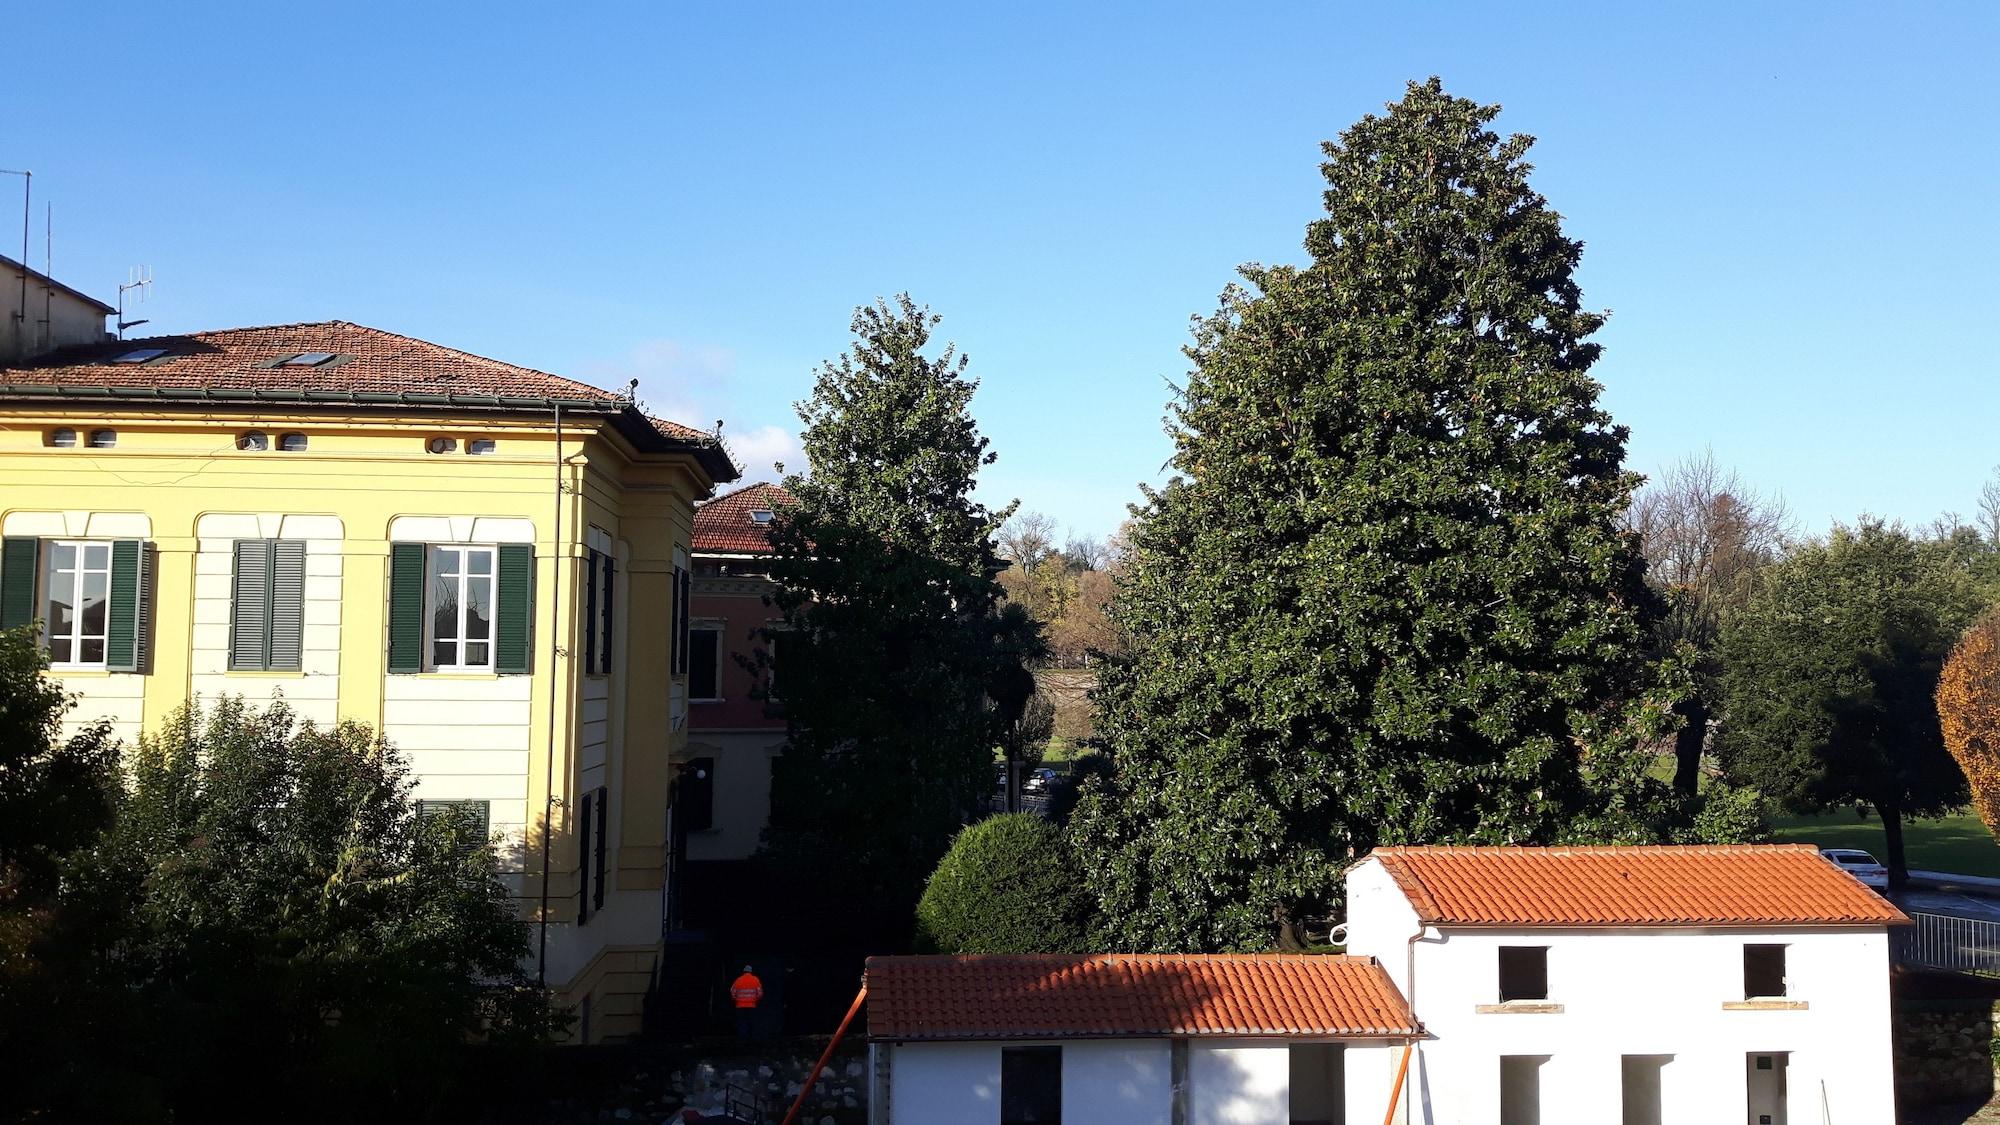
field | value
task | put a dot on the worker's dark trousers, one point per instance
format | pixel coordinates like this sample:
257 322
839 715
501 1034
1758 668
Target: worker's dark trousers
746 1024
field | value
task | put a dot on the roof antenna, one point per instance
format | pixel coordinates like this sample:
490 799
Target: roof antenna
142 280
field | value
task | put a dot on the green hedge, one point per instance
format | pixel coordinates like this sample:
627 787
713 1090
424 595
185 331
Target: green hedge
1009 884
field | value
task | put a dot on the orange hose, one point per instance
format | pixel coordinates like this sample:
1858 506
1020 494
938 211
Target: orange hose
806 1090
1395 1092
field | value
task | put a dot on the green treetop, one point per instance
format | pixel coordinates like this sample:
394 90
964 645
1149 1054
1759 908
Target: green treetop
894 658
1386 597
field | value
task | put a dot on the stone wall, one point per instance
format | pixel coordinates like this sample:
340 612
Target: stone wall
1944 1052
653 1085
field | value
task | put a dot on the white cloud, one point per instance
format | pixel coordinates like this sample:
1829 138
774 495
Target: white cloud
759 449
686 383
695 385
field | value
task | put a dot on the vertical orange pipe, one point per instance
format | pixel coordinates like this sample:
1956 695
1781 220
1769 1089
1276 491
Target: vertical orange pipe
1395 1092
806 1090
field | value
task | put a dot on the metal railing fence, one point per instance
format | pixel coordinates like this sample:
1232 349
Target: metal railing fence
1940 941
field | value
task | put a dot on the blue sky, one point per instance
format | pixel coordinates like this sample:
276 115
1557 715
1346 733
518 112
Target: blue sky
1788 209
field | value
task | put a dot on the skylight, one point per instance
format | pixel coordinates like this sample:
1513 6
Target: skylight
307 359
760 515
140 355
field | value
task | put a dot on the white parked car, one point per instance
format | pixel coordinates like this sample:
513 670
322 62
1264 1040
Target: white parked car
1859 864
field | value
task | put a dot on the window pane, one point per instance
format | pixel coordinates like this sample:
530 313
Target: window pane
476 654
91 614
62 596
60 651
63 556
97 556
702 664
444 654
478 608
95 585
93 652
479 562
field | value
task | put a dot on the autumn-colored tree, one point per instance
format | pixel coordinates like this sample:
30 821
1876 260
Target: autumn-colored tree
1968 704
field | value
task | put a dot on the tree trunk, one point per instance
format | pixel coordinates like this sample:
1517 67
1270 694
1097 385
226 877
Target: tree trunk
1892 830
1688 742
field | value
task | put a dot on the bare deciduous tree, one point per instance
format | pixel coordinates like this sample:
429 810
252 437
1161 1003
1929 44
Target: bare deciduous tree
1705 533
1027 538
1989 508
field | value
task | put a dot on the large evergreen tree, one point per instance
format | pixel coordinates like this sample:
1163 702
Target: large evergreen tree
892 651
1386 597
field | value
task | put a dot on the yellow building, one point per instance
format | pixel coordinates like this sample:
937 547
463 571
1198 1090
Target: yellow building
486 563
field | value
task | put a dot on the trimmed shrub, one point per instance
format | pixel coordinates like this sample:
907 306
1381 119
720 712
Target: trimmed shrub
1009 884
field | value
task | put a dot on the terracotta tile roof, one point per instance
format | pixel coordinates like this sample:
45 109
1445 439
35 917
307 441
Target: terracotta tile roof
1732 885
723 526
366 360
248 364
1132 994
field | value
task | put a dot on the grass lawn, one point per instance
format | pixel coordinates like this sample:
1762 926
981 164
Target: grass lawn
1958 843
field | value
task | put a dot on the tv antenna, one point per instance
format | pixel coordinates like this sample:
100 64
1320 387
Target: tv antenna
141 279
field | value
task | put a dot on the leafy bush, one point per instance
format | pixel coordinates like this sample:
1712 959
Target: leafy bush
1009 884
271 921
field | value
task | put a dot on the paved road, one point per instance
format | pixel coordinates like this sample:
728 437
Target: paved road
1957 904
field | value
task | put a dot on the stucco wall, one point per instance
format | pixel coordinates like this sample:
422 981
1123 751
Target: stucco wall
1238 1083
1643 992
1118 1081
364 481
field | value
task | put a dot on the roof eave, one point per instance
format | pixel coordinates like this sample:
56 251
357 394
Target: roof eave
191 396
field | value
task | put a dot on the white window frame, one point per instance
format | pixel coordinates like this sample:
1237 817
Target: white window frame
465 552
76 635
720 629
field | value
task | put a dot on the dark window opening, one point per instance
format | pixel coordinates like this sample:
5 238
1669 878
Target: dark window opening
695 800
292 443
1318 1084
1521 1089
1524 972
1763 971
1030 1086
704 664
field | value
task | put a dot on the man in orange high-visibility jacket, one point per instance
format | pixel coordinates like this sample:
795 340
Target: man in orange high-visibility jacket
747 993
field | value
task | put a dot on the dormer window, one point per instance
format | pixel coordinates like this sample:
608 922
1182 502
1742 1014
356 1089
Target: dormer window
103 439
64 438
480 447
761 516
441 445
253 440
292 443
140 355
307 359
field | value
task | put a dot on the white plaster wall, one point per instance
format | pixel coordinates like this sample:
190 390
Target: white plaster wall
119 697
742 791
1239 1084
1370 1076
1118 1081
466 738
313 692
1645 992
934 1083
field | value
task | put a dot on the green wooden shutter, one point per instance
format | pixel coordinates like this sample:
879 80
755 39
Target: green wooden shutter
513 607
123 651
610 584
20 558
603 816
590 613
406 607
250 607
478 819
583 861
288 605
